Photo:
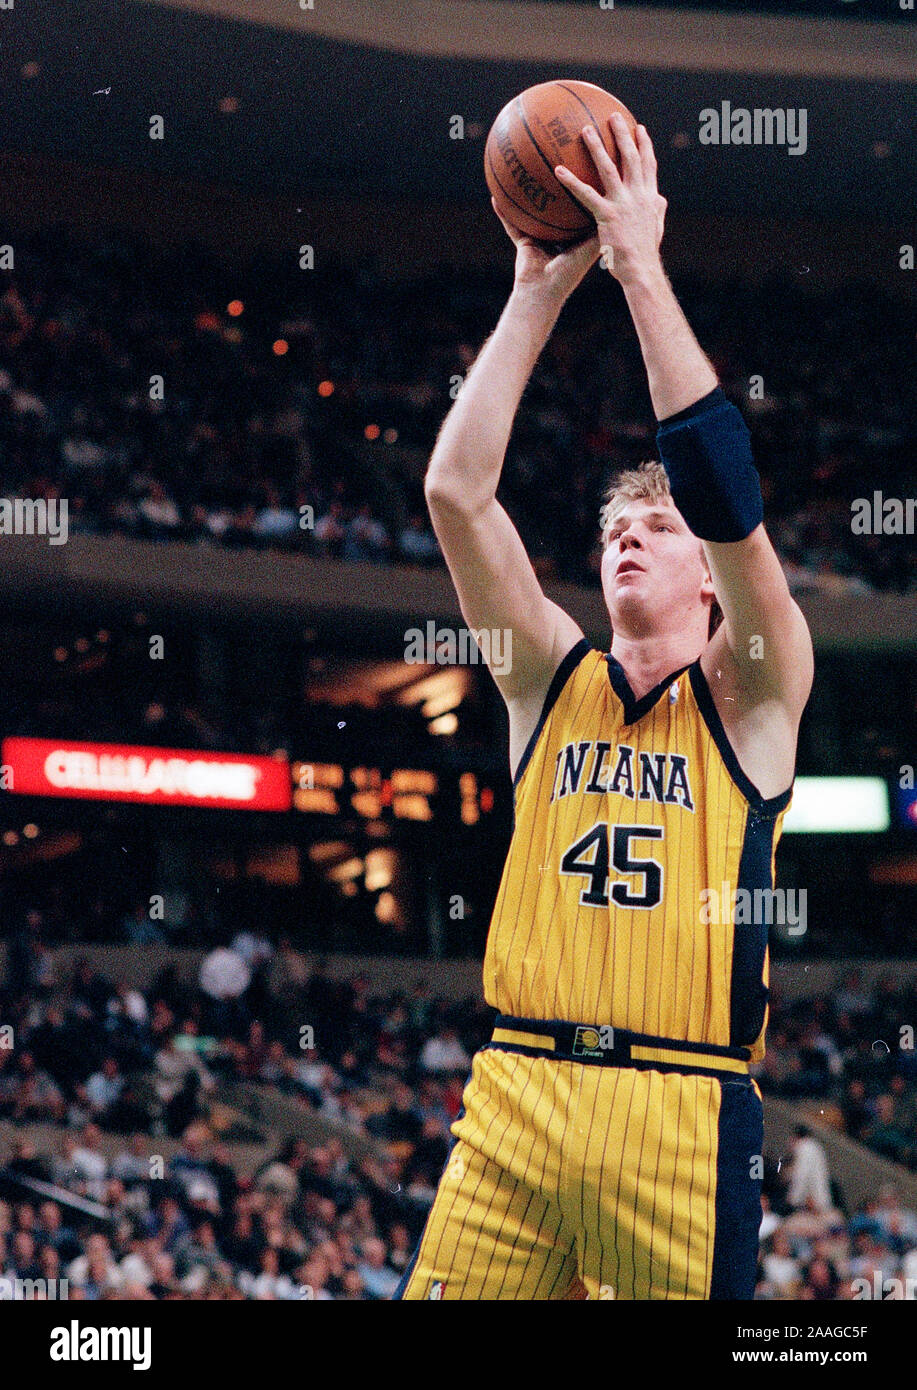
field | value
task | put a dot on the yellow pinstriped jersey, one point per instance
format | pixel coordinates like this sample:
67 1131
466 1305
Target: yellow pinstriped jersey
640 856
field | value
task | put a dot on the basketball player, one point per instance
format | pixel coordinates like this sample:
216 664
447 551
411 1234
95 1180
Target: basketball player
610 1140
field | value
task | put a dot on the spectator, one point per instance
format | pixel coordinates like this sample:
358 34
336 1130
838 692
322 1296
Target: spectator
855 1110
417 543
95 1272
180 1075
809 1180
132 1165
377 1278
158 511
884 1135
365 538
275 522
140 929
330 530
35 1095
104 1088
444 1053
401 1122
897 1224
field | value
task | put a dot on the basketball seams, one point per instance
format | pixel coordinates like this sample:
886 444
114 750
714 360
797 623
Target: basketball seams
550 226
550 167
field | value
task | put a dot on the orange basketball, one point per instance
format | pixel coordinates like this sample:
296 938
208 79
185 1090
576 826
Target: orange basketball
539 129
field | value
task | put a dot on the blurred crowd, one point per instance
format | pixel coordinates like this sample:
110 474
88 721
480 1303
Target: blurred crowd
121 1073
810 1249
166 397
853 1051
327 1219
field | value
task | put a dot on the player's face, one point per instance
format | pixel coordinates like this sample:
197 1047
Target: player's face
653 569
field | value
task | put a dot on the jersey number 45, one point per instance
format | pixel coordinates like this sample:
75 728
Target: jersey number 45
589 858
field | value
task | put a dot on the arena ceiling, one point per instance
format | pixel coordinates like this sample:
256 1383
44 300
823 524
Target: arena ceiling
356 99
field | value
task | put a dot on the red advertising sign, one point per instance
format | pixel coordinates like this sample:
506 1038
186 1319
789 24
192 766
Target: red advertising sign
165 776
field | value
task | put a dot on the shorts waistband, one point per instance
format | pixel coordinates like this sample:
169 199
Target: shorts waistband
599 1044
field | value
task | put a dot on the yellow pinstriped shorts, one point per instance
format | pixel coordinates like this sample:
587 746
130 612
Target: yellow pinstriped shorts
568 1181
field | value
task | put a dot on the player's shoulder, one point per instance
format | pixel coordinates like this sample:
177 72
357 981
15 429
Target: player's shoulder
561 696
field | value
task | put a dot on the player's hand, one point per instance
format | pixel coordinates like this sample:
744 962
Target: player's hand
544 272
630 214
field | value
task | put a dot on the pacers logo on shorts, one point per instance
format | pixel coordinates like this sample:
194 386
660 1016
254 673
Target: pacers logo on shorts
593 1042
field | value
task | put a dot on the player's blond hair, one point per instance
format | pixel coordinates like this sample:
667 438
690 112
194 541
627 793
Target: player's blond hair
648 482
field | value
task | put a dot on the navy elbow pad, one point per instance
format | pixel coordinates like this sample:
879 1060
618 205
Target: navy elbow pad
706 453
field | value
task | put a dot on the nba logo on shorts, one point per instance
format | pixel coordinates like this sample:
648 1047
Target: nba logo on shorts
437 1289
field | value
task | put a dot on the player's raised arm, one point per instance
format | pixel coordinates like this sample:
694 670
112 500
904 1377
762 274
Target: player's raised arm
496 584
703 441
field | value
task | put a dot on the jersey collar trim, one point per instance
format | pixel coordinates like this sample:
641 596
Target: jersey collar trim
635 709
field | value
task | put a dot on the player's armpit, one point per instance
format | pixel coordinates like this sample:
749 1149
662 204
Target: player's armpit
763 632
499 592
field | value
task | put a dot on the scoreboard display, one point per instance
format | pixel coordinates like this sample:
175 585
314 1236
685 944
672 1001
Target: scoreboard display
229 781
382 795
